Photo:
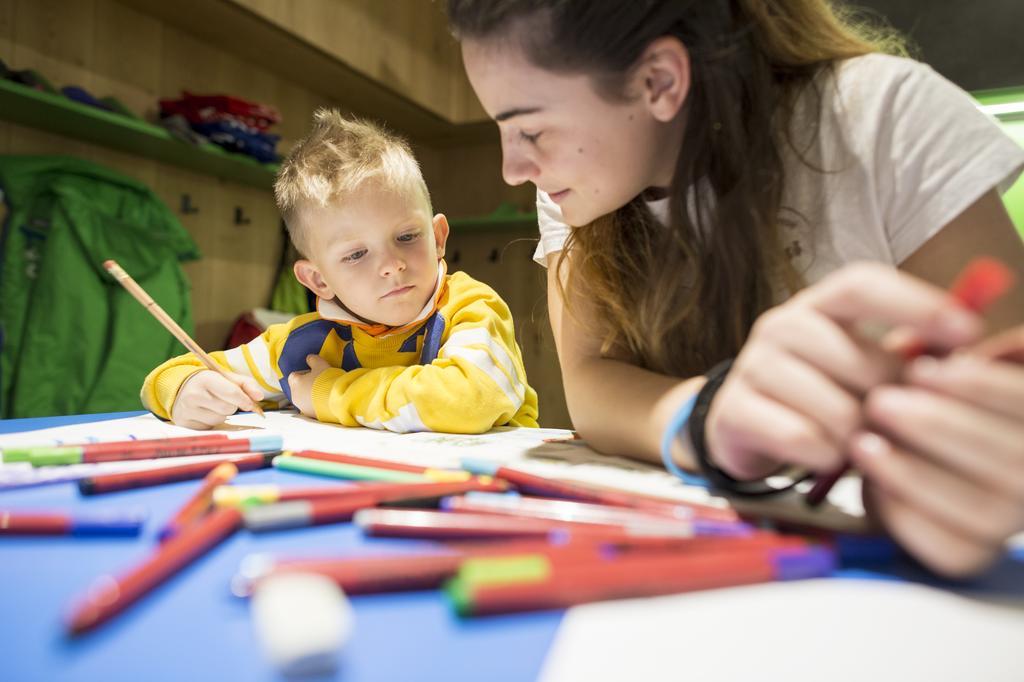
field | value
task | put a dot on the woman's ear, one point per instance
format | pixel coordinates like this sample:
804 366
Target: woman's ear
440 224
309 275
664 77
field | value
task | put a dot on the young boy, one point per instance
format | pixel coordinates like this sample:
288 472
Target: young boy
396 343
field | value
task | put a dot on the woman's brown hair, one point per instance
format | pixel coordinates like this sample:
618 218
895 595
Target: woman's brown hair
678 299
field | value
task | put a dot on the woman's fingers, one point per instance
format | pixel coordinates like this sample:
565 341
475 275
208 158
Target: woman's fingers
807 391
976 444
990 384
746 427
1008 345
872 292
956 503
941 549
854 363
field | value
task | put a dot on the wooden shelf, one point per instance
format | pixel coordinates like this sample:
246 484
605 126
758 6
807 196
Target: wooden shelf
258 41
58 114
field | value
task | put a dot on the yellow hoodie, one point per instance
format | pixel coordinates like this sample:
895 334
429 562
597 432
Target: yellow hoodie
457 370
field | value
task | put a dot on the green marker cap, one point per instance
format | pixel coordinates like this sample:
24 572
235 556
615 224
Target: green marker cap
522 568
52 456
460 595
26 454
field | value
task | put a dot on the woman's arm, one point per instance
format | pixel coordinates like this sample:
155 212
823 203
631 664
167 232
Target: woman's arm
984 229
616 407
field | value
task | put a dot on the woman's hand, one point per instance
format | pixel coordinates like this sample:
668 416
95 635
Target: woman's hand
795 392
944 459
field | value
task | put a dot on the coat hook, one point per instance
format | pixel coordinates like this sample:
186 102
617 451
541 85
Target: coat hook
186 205
240 217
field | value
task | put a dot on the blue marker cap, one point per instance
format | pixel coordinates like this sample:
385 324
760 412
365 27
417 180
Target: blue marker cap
866 549
127 524
480 467
266 442
809 562
483 495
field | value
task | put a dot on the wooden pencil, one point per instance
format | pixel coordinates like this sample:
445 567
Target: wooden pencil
133 288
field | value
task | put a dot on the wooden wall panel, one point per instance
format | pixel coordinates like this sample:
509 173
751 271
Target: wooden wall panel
504 260
404 44
6 28
126 57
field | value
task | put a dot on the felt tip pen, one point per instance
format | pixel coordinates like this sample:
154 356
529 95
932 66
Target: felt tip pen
109 595
342 458
240 495
429 569
142 450
301 513
356 472
397 572
116 524
583 492
584 512
416 523
172 473
25 453
981 283
485 586
200 501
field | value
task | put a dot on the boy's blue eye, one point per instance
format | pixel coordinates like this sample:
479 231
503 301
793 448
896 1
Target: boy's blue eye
532 139
354 256
411 236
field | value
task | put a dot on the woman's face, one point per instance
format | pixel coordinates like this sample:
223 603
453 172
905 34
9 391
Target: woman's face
591 155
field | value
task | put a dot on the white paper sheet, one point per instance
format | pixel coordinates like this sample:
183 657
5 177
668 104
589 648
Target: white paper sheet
837 630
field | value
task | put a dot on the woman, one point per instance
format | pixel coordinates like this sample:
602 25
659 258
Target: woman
756 180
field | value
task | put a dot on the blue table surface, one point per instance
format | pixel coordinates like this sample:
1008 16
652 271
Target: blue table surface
192 628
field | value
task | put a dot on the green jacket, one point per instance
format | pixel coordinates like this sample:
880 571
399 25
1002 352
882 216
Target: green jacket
73 340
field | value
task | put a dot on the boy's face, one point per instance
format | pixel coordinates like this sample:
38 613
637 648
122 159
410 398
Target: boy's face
376 250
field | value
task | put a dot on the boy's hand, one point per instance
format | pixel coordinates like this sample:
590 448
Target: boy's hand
301 384
206 399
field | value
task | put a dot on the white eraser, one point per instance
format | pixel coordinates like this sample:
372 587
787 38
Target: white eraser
302 621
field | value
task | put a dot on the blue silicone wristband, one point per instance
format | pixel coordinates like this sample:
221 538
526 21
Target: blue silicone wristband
675 426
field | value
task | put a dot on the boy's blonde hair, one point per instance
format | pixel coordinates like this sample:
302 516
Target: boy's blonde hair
335 159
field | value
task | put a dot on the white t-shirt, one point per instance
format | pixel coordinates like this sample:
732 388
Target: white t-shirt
910 151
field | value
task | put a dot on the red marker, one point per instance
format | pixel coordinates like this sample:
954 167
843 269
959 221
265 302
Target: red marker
585 512
16 522
110 595
425 571
525 583
199 503
981 283
422 523
141 449
106 483
547 487
301 513
24 454
230 495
